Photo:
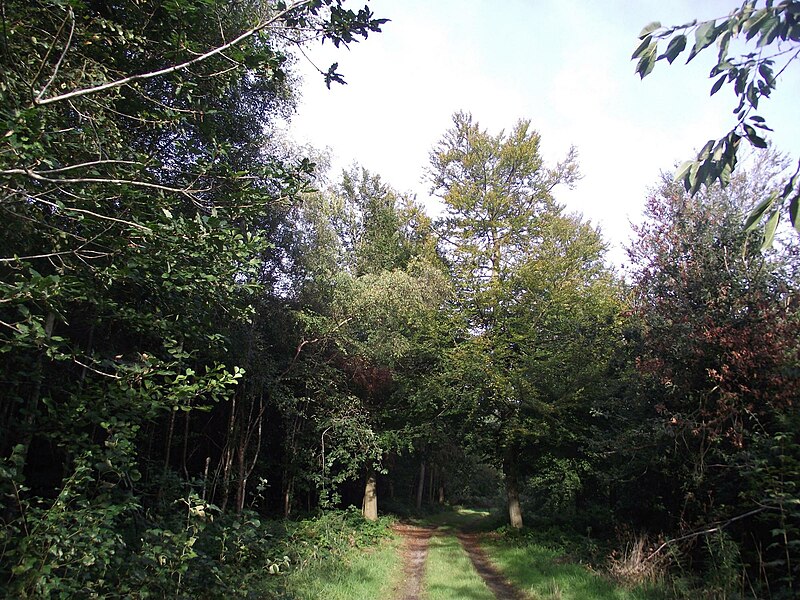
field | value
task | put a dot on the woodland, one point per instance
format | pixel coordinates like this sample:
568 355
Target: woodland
224 368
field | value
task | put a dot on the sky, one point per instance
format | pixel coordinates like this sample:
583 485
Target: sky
563 64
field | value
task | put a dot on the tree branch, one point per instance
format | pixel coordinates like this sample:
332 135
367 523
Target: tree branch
714 529
179 67
94 214
71 16
37 175
90 164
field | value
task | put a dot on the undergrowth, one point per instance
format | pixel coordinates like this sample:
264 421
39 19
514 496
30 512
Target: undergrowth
71 547
553 564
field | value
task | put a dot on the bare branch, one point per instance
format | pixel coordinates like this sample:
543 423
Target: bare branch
91 164
39 177
179 67
718 527
87 254
50 81
50 49
93 370
94 214
314 341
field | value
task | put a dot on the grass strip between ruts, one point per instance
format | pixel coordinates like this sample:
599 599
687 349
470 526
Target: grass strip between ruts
450 575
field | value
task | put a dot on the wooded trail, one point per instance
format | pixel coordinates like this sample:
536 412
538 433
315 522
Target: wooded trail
415 554
416 541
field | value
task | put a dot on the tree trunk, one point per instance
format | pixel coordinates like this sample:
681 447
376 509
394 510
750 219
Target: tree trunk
512 491
370 507
185 451
226 460
287 495
391 482
241 476
431 483
421 486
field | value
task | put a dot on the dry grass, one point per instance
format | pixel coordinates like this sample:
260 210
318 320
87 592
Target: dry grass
637 563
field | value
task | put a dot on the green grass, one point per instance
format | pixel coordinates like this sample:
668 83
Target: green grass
362 574
449 574
546 575
535 565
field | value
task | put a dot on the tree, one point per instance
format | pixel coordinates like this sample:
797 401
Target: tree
145 218
717 353
372 289
774 34
522 269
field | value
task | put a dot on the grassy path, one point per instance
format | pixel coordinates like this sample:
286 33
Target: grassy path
445 558
437 567
415 554
464 564
442 562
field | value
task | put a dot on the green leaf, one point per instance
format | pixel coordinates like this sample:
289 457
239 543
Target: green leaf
642 47
766 72
758 212
724 44
755 139
706 150
793 212
753 24
769 31
649 28
717 85
647 61
675 47
683 170
725 175
704 36
769 230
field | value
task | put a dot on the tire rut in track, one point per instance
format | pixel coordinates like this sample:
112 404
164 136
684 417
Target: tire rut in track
499 585
415 553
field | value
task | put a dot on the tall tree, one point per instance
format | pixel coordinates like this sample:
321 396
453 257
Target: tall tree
373 287
520 267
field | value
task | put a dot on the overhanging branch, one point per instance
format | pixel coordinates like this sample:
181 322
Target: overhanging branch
174 68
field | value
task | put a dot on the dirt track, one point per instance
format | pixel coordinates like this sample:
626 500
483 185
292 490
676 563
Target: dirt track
415 553
501 588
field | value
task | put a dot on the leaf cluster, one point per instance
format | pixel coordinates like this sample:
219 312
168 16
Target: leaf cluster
774 31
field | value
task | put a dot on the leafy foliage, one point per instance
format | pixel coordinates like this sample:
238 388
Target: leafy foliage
717 359
146 222
533 294
774 33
